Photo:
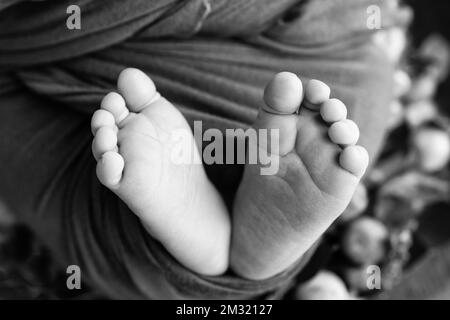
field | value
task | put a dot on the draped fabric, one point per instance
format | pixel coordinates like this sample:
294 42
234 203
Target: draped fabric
211 58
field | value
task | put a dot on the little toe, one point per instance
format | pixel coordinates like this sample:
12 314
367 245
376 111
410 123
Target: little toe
102 118
105 140
316 93
354 159
109 169
344 132
333 110
137 89
115 104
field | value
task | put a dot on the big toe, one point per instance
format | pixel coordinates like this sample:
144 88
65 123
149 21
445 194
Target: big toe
137 89
283 96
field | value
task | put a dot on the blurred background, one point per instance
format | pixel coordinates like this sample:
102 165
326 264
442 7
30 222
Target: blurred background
398 220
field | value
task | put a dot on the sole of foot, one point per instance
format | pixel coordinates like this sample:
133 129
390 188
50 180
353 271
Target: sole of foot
280 216
133 146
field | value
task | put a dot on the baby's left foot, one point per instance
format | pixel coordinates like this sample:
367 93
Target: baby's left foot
277 218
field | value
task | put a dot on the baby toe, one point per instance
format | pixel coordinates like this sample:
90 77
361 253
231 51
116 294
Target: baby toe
354 159
333 110
105 140
115 104
109 169
316 92
344 132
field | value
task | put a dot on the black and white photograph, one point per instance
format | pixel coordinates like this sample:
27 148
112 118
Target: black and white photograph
215 150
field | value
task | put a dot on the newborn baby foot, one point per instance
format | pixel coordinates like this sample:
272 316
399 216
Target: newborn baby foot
277 218
176 202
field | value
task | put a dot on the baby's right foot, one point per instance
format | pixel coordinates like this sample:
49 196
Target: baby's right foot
176 203
278 217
